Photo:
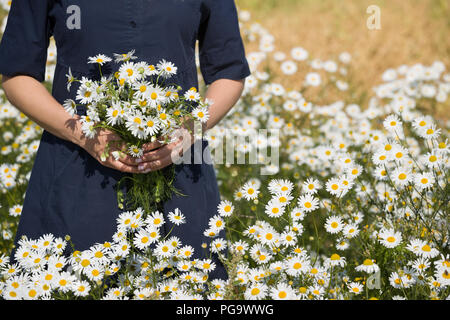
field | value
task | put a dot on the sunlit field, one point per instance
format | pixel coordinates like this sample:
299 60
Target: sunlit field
355 208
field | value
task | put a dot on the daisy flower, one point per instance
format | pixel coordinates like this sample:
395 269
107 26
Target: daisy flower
101 59
256 291
192 95
342 244
143 240
334 187
421 264
186 252
274 208
311 186
225 208
334 224
218 245
288 67
151 125
297 266
297 214
201 114
135 151
424 180
432 159
81 288
389 238
393 124
166 68
368 266
206 265
129 72
282 291
299 54
308 203
176 217
249 191
350 231
355 287
239 246
125 56
217 222
70 106
164 249
15 211
156 219
313 79
335 260
429 133
402 176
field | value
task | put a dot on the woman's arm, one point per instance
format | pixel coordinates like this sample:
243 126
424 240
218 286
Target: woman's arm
224 93
32 98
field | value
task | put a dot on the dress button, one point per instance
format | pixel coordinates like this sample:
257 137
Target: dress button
133 24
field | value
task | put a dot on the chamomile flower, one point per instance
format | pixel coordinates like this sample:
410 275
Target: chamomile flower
342 244
368 266
70 106
176 217
355 288
311 185
334 224
166 68
218 245
15 211
217 222
334 187
350 231
393 124
249 191
201 114
282 291
402 176
256 291
225 208
424 180
335 260
389 238
100 59
274 208
239 246
135 151
297 265
143 240
308 203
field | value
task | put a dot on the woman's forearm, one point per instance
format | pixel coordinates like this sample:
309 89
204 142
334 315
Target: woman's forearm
224 93
32 98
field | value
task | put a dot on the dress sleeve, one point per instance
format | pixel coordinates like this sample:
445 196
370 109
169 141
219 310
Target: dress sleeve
221 49
23 48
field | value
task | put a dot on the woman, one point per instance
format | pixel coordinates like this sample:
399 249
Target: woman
71 191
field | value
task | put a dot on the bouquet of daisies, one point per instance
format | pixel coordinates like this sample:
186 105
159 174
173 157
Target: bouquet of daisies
140 105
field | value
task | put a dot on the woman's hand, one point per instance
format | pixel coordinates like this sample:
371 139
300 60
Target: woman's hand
157 156
108 139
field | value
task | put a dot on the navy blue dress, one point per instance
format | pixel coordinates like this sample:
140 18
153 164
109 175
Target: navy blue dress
70 192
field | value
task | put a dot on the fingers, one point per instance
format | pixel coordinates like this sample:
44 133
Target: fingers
147 147
159 153
120 166
176 153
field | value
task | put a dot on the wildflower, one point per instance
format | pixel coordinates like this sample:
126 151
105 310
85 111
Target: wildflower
368 266
334 224
390 238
